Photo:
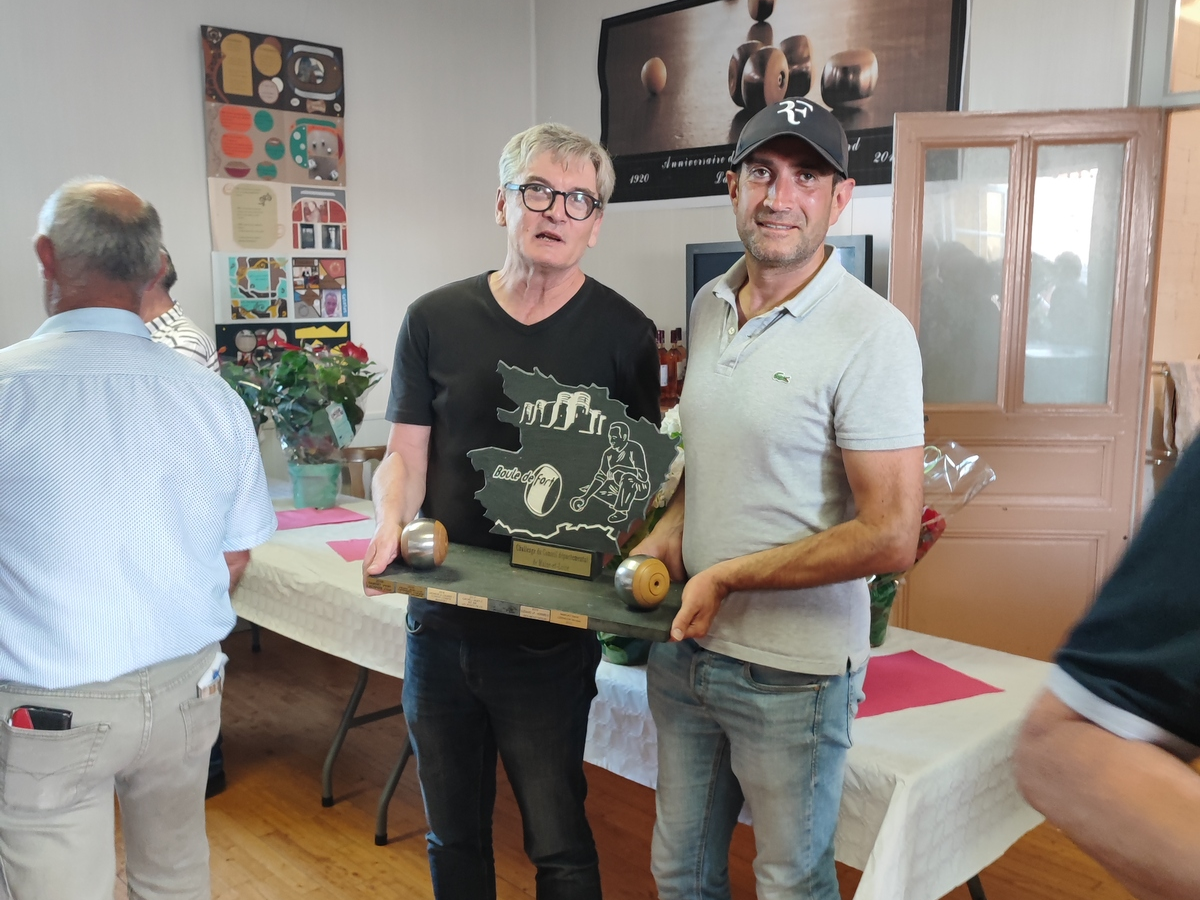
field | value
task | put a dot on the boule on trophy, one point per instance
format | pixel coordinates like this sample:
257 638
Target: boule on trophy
584 476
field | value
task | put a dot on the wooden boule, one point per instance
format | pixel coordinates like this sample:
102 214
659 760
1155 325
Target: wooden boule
760 9
654 75
765 78
737 63
798 51
849 76
761 32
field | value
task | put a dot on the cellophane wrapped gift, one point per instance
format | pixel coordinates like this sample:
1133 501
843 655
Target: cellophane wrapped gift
953 477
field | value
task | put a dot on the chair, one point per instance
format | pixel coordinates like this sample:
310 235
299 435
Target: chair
357 469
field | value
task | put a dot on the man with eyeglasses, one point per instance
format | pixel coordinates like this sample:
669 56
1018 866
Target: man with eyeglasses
477 684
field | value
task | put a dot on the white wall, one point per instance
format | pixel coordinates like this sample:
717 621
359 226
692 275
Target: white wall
433 92
115 89
1022 54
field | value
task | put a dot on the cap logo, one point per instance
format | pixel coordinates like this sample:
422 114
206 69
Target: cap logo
794 108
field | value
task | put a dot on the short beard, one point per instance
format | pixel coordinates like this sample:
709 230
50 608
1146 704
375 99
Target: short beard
772 258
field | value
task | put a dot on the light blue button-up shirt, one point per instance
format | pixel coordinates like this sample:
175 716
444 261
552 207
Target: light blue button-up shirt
125 472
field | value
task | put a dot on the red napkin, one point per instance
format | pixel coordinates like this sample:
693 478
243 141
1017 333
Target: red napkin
907 680
351 551
304 518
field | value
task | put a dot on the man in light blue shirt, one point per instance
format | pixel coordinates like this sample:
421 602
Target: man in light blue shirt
119 553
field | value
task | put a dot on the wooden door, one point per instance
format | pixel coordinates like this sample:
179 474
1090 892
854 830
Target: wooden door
1022 252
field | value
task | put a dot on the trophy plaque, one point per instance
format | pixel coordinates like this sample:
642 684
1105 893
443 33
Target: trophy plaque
585 474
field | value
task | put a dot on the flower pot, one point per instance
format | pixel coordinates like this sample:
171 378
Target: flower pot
315 484
624 651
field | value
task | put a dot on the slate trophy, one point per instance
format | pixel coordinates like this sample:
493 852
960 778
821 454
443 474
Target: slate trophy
585 473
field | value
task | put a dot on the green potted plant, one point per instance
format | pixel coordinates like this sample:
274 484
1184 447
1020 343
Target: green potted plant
312 397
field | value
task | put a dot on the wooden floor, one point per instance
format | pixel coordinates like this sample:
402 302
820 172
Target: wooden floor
272 840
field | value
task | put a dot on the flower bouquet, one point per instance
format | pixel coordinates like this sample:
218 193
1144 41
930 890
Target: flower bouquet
953 476
312 396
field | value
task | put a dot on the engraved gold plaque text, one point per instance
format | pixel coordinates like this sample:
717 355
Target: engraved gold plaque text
547 558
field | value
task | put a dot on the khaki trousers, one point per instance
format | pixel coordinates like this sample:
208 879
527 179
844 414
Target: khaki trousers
145 735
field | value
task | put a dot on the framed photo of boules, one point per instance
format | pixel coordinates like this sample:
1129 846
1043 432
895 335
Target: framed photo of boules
678 81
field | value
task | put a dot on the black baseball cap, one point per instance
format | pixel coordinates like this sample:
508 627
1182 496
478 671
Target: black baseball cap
800 118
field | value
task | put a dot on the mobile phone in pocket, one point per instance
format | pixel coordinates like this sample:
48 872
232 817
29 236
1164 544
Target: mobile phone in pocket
40 718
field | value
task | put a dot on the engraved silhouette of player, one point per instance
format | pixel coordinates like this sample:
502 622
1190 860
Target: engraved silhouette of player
621 478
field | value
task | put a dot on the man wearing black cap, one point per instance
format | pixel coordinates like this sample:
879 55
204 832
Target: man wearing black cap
803 421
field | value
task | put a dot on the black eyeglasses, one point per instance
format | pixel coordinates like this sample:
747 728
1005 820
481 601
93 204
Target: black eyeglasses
540 197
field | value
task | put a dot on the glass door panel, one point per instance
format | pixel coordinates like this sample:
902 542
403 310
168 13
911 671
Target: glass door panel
965 231
1185 52
1073 263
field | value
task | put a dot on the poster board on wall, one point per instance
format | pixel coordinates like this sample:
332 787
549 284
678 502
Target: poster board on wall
678 81
275 150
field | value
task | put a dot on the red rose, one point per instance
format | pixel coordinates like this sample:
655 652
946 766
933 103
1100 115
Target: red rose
354 351
933 524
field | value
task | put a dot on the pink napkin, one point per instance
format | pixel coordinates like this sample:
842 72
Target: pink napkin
907 680
352 550
304 518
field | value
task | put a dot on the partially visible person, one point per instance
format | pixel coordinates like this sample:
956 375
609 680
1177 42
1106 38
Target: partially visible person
1110 751
478 684
168 325
803 423
115 568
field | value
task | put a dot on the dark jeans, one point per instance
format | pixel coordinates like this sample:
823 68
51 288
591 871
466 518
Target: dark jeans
465 701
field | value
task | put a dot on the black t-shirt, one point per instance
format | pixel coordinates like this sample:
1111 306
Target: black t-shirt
1139 646
445 376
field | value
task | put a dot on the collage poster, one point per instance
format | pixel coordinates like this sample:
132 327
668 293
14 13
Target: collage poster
274 130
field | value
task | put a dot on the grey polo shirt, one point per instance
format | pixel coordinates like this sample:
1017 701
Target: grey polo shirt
766 411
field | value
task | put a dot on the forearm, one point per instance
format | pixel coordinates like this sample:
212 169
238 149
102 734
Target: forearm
670 523
398 490
237 561
851 550
1131 805
665 540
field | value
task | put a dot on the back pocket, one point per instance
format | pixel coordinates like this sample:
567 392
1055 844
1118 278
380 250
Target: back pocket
201 723
43 770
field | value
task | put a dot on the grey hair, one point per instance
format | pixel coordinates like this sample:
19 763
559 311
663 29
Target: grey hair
90 235
563 144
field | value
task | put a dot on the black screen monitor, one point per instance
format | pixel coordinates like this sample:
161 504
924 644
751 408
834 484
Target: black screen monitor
707 261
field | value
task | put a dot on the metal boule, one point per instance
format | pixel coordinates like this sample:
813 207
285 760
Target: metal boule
424 543
642 582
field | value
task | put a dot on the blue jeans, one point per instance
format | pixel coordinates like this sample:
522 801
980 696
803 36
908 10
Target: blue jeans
465 701
730 730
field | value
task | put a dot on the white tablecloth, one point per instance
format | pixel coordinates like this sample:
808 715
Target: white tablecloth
297 585
929 795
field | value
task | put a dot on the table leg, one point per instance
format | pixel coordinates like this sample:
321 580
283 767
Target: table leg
255 645
385 798
350 720
975 886
339 736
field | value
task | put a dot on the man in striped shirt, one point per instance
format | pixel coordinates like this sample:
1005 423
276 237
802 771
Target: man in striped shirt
168 325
